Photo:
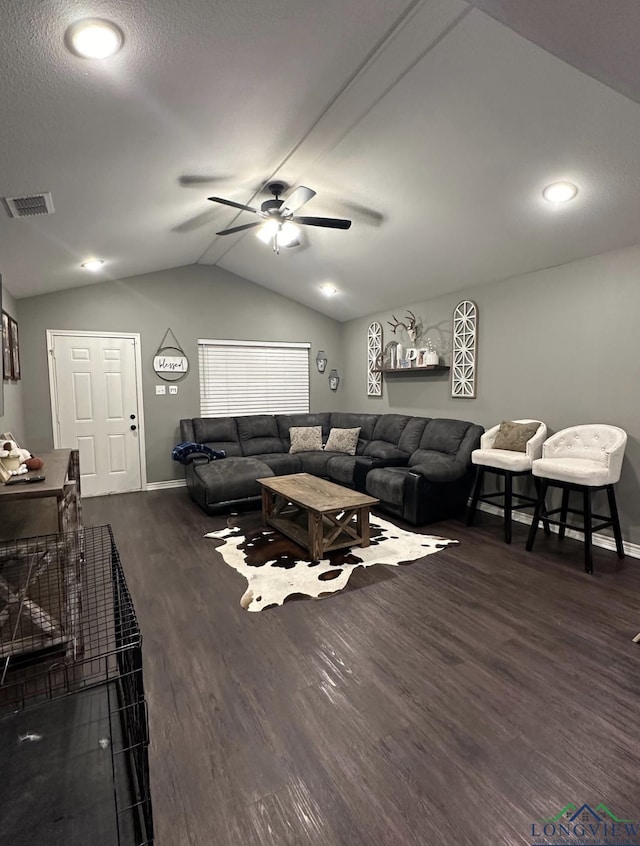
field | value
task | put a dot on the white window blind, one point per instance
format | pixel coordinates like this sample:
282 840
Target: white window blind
253 377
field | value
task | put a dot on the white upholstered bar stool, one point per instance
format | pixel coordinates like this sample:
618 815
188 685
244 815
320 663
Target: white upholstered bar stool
507 463
583 459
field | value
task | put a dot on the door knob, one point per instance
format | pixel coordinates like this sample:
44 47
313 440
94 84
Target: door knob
133 427
132 417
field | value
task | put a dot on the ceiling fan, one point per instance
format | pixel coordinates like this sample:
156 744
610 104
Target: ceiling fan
278 218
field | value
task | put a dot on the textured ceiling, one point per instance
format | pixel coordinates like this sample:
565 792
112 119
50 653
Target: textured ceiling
430 124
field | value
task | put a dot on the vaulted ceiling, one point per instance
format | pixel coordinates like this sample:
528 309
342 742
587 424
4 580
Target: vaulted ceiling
434 125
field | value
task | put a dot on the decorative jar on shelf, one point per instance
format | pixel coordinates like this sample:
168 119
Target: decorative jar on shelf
431 357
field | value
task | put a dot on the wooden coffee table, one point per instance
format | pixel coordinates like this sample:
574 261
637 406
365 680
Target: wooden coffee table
318 515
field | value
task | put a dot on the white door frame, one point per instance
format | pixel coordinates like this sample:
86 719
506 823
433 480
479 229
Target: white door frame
135 336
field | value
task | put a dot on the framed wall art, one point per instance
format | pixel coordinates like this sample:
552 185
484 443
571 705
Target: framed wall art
374 351
170 362
465 350
6 346
15 349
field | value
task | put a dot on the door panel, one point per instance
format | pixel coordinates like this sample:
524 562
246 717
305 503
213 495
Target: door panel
95 394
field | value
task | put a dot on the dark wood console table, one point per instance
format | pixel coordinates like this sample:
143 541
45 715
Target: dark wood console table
41 579
62 481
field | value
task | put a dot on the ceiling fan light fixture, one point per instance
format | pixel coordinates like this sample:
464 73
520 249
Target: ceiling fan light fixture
288 234
267 231
560 192
94 38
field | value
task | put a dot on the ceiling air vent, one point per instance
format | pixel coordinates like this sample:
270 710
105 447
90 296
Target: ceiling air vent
29 206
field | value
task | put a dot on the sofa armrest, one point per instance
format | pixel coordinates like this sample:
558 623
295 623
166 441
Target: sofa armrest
440 471
365 463
197 458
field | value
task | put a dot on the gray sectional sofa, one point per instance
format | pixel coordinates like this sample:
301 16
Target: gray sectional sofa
419 468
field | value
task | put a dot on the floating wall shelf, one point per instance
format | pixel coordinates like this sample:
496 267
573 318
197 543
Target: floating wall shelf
406 371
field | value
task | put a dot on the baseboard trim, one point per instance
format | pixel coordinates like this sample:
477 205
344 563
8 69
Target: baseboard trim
163 486
603 541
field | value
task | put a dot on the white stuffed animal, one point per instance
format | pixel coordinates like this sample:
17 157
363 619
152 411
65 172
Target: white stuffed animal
14 457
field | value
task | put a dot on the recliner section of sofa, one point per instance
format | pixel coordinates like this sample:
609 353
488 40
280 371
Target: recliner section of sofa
437 481
419 468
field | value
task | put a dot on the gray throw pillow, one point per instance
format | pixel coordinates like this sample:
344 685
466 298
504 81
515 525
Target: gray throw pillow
305 438
343 440
514 436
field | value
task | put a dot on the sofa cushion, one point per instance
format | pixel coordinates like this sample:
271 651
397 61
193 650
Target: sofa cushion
258 433
514 436
216 429
340 469
286 421
231 479
281 463
410 437
383 450
443 435
186 430
389 428
348 420
219 433
386 435
315 462
387 484
343 440
305 438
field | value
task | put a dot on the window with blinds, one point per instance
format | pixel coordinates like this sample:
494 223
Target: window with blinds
253 377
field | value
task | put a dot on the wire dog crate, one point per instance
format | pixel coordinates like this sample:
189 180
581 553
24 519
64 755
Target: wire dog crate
73 716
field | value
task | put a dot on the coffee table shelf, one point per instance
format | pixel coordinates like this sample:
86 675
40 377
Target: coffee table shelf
299 531
316 514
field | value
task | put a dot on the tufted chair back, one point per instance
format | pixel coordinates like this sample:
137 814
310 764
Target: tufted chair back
592 441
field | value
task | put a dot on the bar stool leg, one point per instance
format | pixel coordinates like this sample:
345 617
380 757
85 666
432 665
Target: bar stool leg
588 556
564 509
615 521
540 508
475 497
545 523
507 506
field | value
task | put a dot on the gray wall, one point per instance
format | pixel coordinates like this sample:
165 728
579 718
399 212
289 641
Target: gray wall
13 418
561 345
196 302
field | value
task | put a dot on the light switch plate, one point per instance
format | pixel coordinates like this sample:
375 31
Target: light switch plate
173 389
161 389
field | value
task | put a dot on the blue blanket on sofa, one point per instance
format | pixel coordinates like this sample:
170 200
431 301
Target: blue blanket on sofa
182 452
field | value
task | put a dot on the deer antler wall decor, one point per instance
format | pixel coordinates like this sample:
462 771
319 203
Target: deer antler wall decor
411 326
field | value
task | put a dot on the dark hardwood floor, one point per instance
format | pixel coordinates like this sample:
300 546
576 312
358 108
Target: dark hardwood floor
456 700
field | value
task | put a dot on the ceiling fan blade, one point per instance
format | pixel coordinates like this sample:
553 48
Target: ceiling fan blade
328 222
234 205
298 198
239 228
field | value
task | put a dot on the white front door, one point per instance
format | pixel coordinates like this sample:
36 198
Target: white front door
95 408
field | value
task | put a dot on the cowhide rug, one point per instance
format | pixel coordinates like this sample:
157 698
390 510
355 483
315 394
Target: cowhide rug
277 568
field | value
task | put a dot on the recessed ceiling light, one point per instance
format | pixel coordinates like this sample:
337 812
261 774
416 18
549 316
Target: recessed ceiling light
92 264
560 192
328 289
94 38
